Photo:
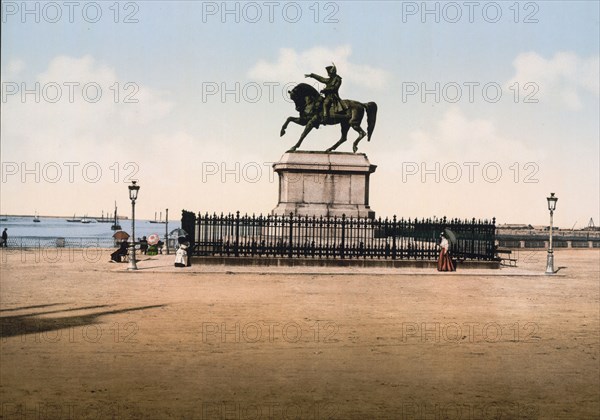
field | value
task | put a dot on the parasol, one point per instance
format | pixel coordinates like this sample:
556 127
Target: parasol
450 235
153 239
176 233
121 235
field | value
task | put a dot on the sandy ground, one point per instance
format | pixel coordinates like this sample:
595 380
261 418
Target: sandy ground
82 338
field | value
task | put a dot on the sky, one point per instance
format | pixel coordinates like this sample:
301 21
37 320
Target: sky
484 108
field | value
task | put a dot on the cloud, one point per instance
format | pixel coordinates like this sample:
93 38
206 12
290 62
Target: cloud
13 69
459 166
140 139
565 77
291 65
80 104
138 104
458 138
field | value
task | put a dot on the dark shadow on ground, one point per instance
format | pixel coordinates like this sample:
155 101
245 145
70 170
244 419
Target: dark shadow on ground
11 326
32 307
82 308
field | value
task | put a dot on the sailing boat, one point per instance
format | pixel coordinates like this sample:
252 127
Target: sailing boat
85 220
74 219
36 218
157 221
104 219
116 225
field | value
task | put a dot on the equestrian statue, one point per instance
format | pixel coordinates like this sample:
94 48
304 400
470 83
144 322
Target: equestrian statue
328 109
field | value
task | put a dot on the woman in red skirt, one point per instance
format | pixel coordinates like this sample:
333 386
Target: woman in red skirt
444 261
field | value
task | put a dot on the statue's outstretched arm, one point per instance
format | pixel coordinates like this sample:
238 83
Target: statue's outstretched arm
317 77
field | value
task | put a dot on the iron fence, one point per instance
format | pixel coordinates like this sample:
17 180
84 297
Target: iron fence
59 242
292 236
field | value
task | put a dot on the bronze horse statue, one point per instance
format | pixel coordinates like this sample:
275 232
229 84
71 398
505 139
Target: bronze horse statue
309 103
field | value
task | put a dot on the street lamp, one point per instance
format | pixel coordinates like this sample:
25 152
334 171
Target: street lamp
167 231
133 193
550 261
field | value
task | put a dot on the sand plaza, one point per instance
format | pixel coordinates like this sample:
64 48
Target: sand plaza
82 338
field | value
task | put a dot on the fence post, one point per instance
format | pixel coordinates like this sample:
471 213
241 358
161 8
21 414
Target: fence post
291 236
394 231
236 249
492 239
343 244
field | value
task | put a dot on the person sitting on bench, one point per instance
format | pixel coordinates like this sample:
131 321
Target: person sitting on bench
118 255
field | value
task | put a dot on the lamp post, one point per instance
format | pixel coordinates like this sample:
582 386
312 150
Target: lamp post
550 261
167 231
133 193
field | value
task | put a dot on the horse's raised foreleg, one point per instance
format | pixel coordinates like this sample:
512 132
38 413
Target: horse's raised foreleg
309 126
296 120
345 127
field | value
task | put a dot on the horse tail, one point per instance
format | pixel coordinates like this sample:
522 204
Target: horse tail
371 108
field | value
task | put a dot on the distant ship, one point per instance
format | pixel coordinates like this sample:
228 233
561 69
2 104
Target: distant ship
116 225
106 219
74 219
36 218
160 220
86 220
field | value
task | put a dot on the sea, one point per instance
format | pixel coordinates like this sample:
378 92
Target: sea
23 231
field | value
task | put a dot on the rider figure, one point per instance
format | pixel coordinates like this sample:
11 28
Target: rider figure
332 85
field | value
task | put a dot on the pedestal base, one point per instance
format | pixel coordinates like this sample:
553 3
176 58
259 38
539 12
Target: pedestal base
324 184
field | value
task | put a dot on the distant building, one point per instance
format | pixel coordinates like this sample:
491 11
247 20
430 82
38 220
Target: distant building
536 236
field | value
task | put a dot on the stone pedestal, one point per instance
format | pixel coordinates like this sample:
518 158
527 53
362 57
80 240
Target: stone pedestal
324 184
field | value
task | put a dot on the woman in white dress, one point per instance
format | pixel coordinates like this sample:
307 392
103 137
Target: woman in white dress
181 256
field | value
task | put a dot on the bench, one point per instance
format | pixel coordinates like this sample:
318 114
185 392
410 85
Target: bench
504 255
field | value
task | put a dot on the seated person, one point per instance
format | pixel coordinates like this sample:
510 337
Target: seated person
118 255
144 245
152 250
181 257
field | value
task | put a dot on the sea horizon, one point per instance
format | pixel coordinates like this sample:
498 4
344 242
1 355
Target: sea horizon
58 227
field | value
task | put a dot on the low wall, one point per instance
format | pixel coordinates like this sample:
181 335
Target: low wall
321 262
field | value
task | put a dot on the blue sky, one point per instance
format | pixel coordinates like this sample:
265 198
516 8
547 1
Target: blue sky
176 133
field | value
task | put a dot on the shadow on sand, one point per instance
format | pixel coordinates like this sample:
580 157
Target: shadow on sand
16 325
32 307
